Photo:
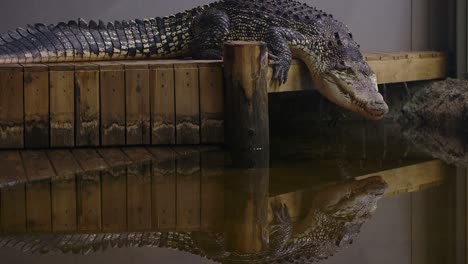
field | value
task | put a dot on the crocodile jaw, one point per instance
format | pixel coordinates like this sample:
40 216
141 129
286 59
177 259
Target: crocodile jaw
359 94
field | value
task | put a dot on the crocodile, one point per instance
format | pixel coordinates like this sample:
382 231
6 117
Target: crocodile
334 219
291 30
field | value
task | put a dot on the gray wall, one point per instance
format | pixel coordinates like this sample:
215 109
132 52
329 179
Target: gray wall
379 25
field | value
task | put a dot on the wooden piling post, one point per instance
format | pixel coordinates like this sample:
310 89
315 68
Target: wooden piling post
245 71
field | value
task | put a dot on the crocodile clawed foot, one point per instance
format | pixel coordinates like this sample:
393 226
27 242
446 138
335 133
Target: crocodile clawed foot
280 72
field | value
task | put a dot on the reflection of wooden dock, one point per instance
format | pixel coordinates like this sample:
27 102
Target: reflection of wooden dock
145 189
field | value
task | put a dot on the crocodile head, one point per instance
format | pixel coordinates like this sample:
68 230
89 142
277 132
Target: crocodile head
340 72
337 214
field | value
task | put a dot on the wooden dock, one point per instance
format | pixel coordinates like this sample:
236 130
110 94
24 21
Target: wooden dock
162 102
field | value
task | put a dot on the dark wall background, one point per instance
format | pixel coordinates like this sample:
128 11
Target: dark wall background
379 25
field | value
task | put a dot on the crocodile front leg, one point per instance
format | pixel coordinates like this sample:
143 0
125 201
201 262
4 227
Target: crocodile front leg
279 40
210 30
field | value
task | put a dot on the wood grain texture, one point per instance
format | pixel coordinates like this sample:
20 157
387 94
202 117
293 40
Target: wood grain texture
11 107
162 105
87 105
245 71
187 96
13 209
139 189
114 199
62 105
188 191
211 104
112 80
114 190
12 171
37 165
36 106
164 189
38 206
212 190
137 104
63 195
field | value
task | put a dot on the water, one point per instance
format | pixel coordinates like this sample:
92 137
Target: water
354 192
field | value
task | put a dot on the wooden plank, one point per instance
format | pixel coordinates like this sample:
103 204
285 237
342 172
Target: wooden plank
89 189
36 106
188 191
13 209
62 106
187 104
211 104
63 195
412 69
39 171
298 79
12 170
88 200
413 178
11 107
63 190
137 104
212 191
163 189
38 206
37 165
112 104
114 156
114 191
139 189
64 163
87 104
89 159
162 105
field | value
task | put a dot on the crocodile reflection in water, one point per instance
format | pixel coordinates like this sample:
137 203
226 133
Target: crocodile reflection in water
332 221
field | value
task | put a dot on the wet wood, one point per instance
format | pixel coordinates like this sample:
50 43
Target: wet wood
36 106
62 105
39 171
211 104
187 96
415 177
87 104
137 103
245 71
114 199
12 171
63 195
112 80
13 209
89 189
37 165
163 189
63 190
139 189
162 104
246 203
188 190
89 159
38 206
11 107
64 164
12 199
212 190
114 190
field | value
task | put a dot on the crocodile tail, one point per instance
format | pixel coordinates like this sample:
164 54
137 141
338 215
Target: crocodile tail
78 41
